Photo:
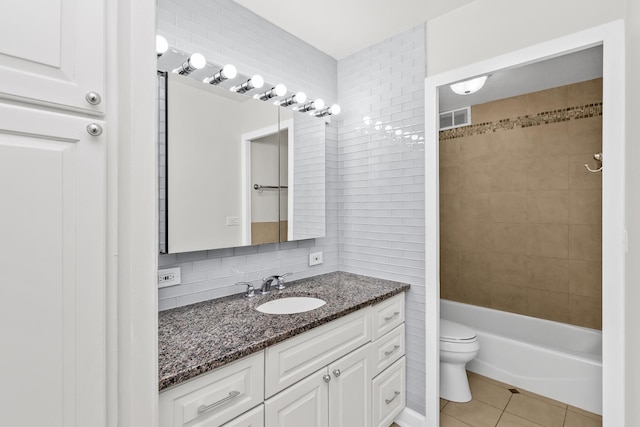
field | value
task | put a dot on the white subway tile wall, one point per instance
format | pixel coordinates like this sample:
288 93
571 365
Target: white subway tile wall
381 170
227 33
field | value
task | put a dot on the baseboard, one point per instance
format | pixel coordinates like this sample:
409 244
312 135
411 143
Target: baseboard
410 418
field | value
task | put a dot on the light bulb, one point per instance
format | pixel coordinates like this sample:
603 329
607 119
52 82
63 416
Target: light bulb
280 90
161 45
197 61
300 97
335 109
257 81
229 71
318 104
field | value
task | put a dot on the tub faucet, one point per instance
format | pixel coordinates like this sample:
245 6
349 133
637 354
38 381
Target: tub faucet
267 282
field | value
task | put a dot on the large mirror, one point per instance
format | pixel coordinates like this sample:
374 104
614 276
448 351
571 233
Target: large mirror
238 171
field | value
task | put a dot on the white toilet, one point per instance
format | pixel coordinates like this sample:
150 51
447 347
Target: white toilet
458 345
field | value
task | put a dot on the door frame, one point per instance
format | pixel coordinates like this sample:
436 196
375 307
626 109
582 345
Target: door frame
614 234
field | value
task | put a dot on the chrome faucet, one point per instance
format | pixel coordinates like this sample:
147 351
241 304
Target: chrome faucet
267 282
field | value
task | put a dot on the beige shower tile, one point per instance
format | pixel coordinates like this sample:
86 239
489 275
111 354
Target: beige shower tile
450 152
475 178
549 173
549 140
584 413
510 420
476 149
585 206
586 311
508 268
511 144
499 110
509 237
449 265
587 92
449 207
548 305
449 179
509 298
448 421
536 410
585 135
585 242
548 240
575 419
488 392
547 100
579 177
509 175
475 207
585 278
475 268
509 206
475 236
475 413
551 274
548 207
449 235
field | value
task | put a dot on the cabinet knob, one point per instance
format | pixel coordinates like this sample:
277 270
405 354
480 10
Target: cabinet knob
94 129
93 98
336 372
326 378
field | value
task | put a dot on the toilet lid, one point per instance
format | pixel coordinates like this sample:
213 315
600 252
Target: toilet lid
452 331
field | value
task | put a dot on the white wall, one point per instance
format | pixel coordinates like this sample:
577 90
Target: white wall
382 177
227 33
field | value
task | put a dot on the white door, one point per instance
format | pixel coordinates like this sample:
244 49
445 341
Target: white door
350 389
52 51
305 403
52 252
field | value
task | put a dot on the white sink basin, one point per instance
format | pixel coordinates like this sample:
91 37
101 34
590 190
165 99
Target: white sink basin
290 305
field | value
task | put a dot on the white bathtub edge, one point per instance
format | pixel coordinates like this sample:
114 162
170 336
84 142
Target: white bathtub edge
410 418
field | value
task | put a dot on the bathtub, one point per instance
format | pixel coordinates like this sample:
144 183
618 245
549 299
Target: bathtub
559 361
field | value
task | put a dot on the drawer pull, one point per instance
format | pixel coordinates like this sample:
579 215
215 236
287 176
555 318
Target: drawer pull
390 352
395 313
205 408
395 394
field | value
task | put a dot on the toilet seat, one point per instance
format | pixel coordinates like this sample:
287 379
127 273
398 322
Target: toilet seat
456 333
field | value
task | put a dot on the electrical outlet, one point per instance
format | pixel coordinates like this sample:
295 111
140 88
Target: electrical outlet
168 277
315 258
233 220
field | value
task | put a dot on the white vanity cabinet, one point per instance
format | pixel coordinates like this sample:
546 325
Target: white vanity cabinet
346 373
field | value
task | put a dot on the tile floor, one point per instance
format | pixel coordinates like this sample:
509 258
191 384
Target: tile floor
494 405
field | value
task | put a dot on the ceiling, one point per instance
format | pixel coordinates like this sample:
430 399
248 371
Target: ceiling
567 69
342 27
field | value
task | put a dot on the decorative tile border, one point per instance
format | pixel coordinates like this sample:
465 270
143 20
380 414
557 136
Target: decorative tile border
544 118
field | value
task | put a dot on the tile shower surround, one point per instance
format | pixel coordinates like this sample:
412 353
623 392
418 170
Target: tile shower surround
384 82
520 216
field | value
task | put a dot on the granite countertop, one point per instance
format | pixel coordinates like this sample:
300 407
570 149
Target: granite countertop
198 338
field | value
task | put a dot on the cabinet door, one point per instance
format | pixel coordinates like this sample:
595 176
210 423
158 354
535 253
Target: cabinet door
350 389
52 246
52 51
306 403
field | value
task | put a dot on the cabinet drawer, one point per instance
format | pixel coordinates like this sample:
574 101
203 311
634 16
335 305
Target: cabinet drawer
389 394
297 357
387 315
212 399
388 349
253 418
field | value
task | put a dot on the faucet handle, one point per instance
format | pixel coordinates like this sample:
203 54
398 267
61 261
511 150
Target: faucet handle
250 293
280 285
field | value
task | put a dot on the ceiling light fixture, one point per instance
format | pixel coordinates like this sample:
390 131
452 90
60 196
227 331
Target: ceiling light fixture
278 90
227 72
255 82
468 87
195 62
298 98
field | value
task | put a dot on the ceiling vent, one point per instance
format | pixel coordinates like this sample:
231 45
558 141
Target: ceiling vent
455 118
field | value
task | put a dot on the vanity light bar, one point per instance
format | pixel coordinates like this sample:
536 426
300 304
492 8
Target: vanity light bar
227 72
318 104
329 111
298 98
255 82
195 62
